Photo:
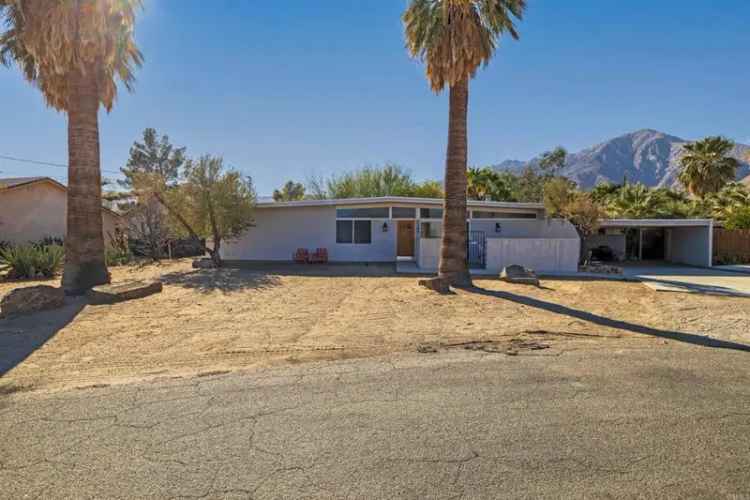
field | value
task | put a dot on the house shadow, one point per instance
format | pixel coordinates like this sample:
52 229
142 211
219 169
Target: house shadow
681 286
227 280
344 270
687 338
20 336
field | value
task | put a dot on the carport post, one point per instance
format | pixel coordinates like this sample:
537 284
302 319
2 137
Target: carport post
640 243
711 243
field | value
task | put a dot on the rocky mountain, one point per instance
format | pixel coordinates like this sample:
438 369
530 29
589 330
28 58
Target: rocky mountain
647 156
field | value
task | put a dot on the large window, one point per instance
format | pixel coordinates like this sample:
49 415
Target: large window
362 213
354 231
480 214
431 213
344 231
403 213
362 231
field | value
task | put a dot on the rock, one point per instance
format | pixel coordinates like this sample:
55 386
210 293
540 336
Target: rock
600 269
204 264
519 274
437 284
31 299
109 294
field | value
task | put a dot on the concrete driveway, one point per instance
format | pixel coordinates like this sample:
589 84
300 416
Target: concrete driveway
595 423
673 278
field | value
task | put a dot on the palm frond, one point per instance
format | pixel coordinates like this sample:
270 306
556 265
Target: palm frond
455 37
51 39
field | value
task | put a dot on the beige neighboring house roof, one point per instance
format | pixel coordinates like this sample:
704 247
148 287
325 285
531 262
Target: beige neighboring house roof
746 181
9 183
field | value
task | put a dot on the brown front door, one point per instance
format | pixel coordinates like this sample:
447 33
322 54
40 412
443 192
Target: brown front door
405 245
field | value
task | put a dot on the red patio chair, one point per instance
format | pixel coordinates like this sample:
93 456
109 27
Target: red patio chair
320 256
301 256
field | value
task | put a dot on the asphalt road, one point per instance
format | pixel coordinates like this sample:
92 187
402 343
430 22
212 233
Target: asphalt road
655 423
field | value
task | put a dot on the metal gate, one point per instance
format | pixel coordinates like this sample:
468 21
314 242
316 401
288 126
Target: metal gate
476 251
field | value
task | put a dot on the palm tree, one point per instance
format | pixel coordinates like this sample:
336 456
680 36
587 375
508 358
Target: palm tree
453 38
706 166
74 51
636 201
478 183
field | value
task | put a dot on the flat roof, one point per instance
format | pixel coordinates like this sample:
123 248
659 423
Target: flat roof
655 222
395 200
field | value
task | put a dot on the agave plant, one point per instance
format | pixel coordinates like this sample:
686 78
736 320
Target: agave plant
31 261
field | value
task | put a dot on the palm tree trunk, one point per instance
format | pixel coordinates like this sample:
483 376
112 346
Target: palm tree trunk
85 266
453 266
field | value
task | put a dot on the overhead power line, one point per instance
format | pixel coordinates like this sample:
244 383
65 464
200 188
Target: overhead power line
46 163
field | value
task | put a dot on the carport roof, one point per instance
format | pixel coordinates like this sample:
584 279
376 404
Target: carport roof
656 222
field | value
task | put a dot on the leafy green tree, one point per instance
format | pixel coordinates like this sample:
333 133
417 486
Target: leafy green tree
370 182
738 218
707 166
153 156
553 161
428 189
454 38
146 218
562 199
211 203
74 52
487 184
291 191
730 203
529 186
603 191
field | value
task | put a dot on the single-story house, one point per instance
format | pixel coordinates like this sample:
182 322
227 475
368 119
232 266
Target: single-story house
400 229
34 208
408 230
678 241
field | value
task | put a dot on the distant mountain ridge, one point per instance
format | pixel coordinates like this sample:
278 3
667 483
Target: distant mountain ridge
646 156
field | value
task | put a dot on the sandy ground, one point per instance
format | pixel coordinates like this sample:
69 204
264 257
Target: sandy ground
208 321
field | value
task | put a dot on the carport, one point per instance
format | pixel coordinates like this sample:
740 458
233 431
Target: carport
677 241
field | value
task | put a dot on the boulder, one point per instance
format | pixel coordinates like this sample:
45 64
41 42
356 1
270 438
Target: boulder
204 264
109 294
437 284
519 274
31 299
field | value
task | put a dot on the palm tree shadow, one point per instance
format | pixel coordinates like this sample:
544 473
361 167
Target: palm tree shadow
227 280
688 338
20 336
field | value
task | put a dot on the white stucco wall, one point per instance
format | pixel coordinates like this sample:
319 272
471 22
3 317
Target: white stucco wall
690 245
279 232
548 245
541 255
524 228
36 211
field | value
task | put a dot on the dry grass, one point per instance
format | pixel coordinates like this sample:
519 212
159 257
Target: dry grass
213 321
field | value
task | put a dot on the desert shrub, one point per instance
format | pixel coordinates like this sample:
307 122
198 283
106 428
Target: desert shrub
118 253
31 261
118 256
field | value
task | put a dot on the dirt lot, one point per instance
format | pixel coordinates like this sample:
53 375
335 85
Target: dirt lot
211 321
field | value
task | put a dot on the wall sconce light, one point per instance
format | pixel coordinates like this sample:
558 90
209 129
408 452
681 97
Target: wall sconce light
385 227
498 227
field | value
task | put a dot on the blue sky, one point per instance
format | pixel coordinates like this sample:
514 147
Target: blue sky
292 88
